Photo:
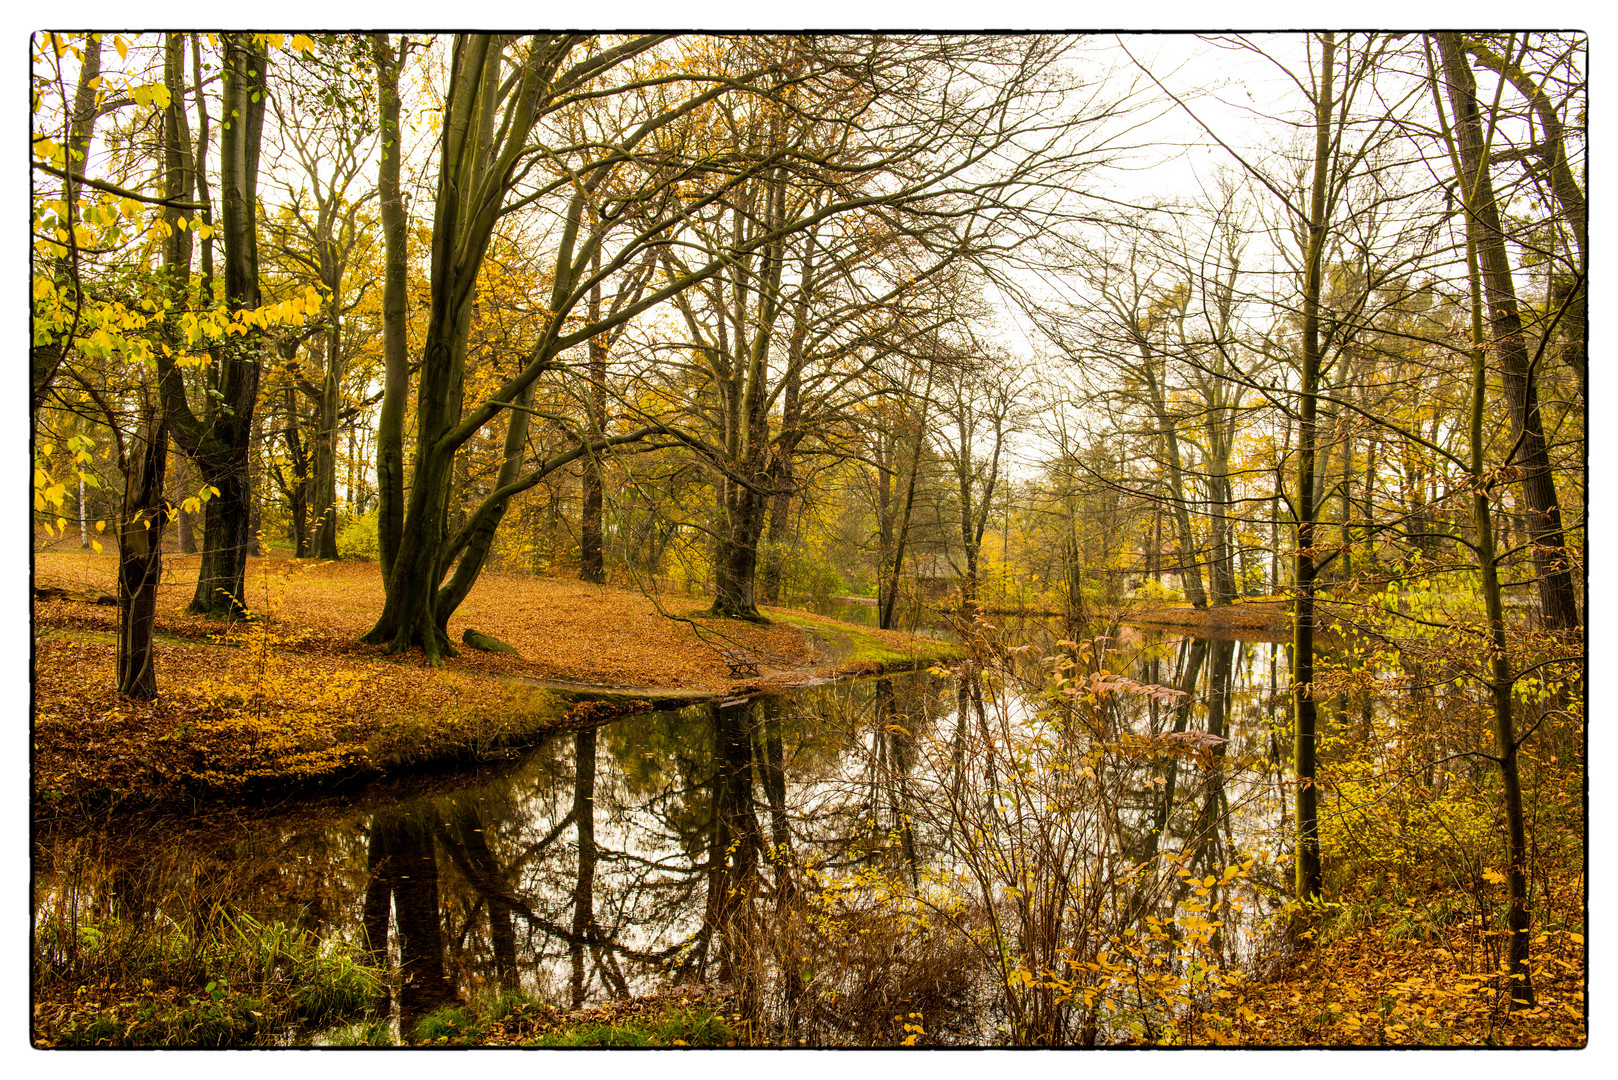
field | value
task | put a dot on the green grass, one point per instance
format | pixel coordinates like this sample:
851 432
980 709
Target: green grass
213 982
674 1027
501 1021
858 646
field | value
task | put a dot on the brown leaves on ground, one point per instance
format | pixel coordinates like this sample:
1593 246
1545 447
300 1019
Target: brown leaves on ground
1362 990
295 697
227 717
566 630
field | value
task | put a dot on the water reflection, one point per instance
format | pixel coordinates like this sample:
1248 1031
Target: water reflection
655 848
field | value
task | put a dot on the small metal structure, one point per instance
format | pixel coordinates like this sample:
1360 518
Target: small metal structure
741 661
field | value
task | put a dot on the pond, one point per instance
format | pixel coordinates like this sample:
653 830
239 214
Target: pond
845 853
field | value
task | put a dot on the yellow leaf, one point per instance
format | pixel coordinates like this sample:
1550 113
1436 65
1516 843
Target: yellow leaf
101 526
96 544
122 46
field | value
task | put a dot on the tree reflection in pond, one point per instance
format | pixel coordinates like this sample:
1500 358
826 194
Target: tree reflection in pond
699 844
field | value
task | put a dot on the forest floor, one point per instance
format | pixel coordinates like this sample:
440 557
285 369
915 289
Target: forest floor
294 697
1398 976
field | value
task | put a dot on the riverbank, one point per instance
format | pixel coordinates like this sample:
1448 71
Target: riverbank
295 700
1269 616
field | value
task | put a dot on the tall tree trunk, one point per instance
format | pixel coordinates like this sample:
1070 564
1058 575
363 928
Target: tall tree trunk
220 441
1568 289
592 559
1307 852
325 479
395 361
889 596
1500 681
1190 568
1551 561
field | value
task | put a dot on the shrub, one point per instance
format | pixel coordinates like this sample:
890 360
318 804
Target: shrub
357 539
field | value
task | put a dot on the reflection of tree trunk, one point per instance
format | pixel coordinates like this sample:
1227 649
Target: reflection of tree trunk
471 836
737 915
378 902
773 772
584 793
1214 809
1191 659
408 868
893 745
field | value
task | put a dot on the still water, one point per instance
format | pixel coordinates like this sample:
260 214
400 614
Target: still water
607 861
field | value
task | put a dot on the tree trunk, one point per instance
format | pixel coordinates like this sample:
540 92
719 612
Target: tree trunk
592 561
1500 682
45 360
140 553
220 442
1190 569
395 361
325 479
1307 870
736 554
1551 561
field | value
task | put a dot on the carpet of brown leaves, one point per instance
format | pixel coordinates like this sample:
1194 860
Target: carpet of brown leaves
295 697
567 630
1362 990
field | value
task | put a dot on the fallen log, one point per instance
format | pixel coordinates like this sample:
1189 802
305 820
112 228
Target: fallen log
477 639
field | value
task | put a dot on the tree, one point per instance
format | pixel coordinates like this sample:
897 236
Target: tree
981 401
1505 324
321 241
219 439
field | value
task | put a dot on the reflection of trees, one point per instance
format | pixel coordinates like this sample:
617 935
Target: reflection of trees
404 871
1188 666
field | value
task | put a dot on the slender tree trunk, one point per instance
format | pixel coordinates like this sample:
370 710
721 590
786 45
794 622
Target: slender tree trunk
1518 917
395 362
44 360
1190 569
140 553
1568 288
1500 682
221 441
890 596
1307 853
325 486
